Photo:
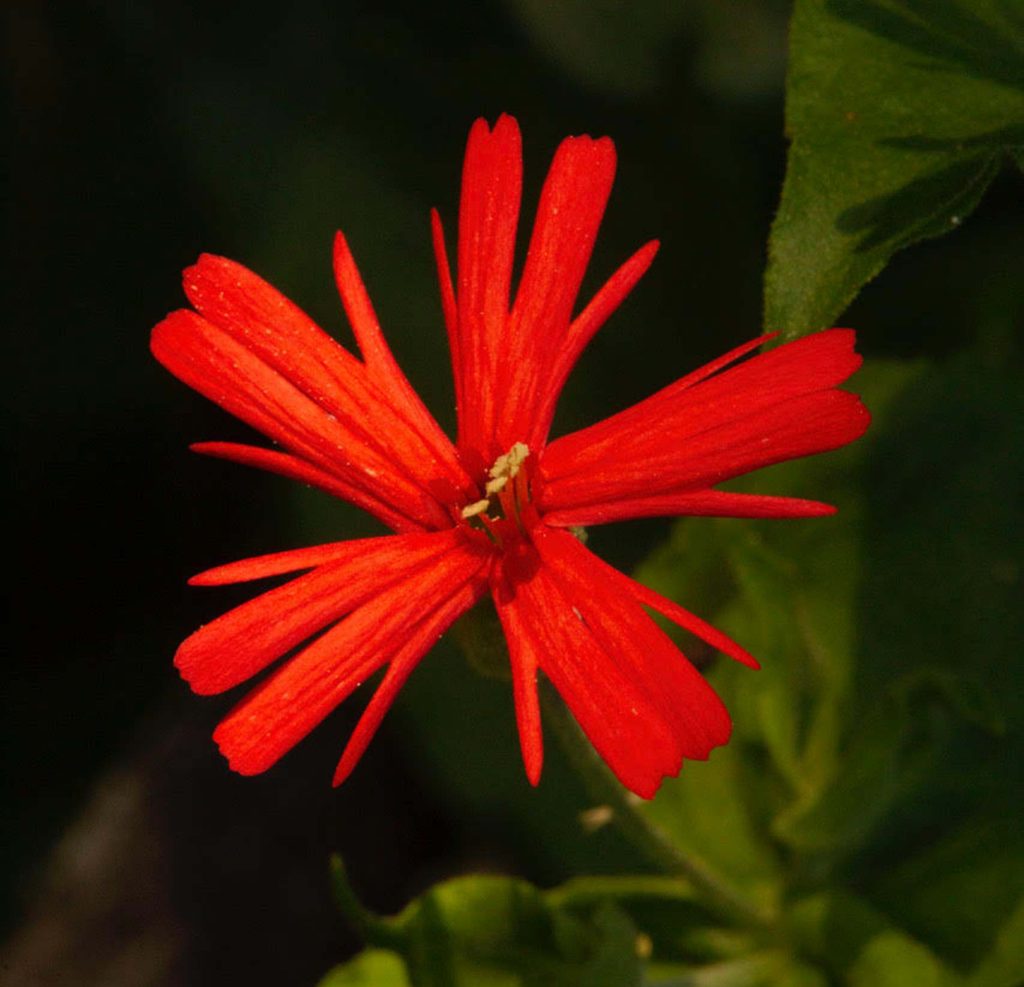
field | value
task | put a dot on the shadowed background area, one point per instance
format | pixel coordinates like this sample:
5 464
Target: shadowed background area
143 133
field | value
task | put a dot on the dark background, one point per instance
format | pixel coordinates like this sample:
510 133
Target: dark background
142 133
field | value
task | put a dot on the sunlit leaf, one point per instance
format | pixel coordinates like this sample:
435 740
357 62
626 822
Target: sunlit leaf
704 813
489 931
895 960
371 968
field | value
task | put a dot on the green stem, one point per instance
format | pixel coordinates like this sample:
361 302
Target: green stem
605 789
375 930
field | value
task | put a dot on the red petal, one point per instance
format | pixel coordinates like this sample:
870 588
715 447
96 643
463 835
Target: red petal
433 626
381 364
524 662
802 426
621 721
643 706
677 614
233 376
288 705
298 469
696 503
571 207
244 641
488 214
713 395
280 563
582 330
373 404
449 308
776 406
622 627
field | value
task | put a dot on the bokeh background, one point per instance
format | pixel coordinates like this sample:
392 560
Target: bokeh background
138 135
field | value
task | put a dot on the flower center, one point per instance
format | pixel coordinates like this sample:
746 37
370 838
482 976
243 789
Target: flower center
507 490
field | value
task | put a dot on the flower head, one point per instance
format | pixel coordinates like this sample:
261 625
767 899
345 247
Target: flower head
490 512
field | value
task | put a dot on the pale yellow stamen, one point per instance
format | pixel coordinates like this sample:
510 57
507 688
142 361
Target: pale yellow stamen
477 507
508 465
505 468
495 486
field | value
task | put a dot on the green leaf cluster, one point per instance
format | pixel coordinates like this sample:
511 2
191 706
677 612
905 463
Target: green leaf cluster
488 930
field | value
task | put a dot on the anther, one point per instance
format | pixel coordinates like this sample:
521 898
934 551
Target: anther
506 468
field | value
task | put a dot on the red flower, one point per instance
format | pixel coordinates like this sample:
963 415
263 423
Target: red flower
489 513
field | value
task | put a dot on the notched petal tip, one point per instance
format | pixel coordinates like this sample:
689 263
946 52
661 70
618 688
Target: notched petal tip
207 267
161 337
246 762
647 790
194 672
505 132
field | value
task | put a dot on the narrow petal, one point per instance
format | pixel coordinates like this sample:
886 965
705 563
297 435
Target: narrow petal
582 330
281 563
641 703
424 636
652 660
677 614
298 469
776 406
272 328
524 663
297 697
802 426
696 503
381 364
488 216
621 721
372 404
234 377
713 395
571 207
244 641
449 309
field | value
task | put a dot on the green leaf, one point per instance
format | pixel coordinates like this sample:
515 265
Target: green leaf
833 927
371 968
704 814
900 113
943 586
892 959
957 892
